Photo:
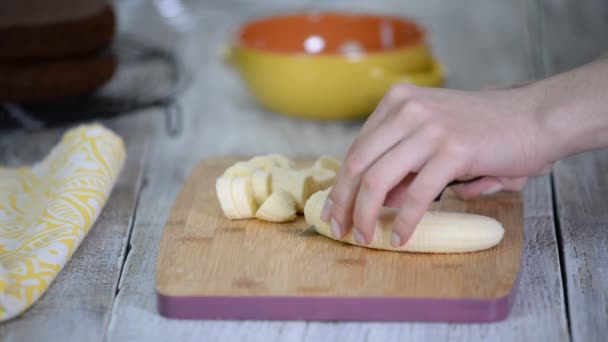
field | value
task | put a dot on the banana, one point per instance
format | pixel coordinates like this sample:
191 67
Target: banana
223 189
329 163
262 162
324 178
269 161
281 161
242 197
298 184
240 169
278 207
437 232
260 181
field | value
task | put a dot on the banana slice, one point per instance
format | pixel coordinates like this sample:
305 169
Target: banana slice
223 189
298 184
260 181
329 163
437 232
242 196
262 162
324 178
269 161
280 160
278 207
240 169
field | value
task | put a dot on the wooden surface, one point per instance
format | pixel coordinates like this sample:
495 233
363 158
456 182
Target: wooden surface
481 42
79 301
204 254
580 185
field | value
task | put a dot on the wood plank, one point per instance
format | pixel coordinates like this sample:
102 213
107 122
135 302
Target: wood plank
77 305
581 192
574 33
221 119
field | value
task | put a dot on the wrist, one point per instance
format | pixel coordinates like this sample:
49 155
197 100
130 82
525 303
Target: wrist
554 128
571 110
540 120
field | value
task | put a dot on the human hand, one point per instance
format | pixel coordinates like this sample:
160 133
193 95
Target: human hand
419 139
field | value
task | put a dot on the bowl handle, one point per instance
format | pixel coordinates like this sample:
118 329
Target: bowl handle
227 54
429 78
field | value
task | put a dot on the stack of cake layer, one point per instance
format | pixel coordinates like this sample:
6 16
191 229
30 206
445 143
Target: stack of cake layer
50 50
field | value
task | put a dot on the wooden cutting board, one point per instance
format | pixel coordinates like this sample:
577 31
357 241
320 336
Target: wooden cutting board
212 268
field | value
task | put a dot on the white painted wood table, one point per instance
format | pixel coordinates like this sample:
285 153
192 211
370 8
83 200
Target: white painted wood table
106 292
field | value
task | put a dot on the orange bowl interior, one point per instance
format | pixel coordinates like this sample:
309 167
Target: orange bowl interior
329 33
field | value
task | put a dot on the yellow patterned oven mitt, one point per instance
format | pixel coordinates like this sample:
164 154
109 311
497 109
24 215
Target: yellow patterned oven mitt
48 209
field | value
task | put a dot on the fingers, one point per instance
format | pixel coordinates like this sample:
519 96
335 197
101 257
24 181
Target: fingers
378 136
395 197
489 185
386 173
338 210
429 183
390 103
484 186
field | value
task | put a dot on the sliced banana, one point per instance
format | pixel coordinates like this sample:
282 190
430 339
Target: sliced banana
223 189
260 181
242 196
298 184
329 163
240 169
263 162
324 178
437 232
281 161
278 207
269 161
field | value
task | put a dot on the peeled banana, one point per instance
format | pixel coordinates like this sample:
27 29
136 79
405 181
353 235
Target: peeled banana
260 181
329 163
223 190
242 197
269 161
278 207
324 178
298 184
437 232
240 169
280 160
236 197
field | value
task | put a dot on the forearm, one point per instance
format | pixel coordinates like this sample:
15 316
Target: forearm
573 109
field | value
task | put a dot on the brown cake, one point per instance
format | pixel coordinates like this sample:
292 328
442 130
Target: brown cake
57 37
36 82
54 49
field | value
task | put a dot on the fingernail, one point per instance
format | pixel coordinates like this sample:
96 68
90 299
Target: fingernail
336 231
326 211
359 239
395 240
492 190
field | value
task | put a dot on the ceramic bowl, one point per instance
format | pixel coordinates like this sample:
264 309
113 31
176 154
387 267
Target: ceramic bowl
330 65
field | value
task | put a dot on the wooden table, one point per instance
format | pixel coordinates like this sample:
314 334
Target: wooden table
106 292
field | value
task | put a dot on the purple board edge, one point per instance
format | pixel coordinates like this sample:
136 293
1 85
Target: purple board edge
372 309
336 308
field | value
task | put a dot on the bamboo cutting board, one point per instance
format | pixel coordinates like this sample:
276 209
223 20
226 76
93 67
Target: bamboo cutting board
212 268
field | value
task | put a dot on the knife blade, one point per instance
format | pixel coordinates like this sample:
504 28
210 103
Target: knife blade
312 231
457 182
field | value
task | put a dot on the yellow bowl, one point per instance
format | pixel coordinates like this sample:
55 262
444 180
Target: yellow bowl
330 65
